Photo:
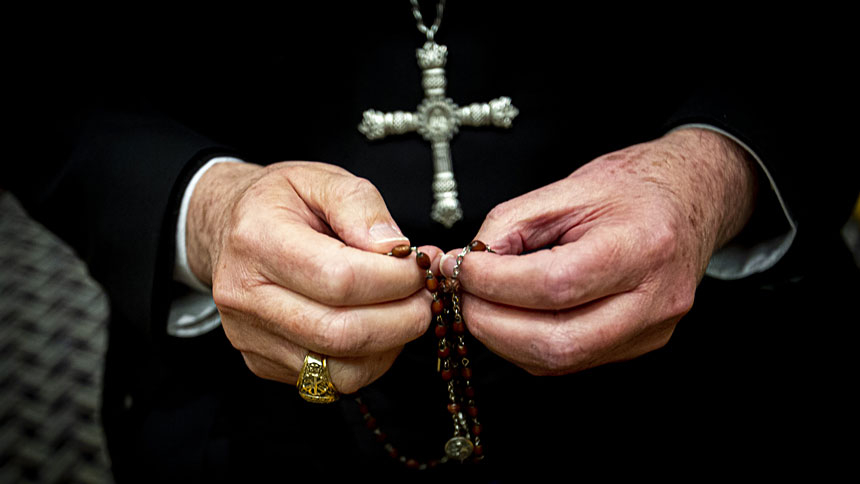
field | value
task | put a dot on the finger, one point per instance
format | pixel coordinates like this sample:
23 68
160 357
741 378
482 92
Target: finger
347 374
274 313
562 209
602 262
325 269
560 342
351 206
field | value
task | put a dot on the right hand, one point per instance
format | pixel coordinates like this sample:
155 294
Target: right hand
294 254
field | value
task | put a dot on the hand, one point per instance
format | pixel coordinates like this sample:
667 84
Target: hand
629 237
294 255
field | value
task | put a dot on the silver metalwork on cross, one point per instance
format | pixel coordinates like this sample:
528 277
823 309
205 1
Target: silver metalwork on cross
437 120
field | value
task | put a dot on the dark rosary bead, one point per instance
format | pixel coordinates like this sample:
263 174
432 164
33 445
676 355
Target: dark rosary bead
423 260
476 429
462 351
441 330
449 286
477 246
371 423
466 373
412 463
431 283
446 375
472 411
478 450
453 407
401 251
444 352
437 307
469 391
458 327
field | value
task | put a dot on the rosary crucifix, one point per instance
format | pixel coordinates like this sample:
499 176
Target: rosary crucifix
437 120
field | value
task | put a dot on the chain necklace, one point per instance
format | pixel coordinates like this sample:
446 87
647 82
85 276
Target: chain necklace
437 119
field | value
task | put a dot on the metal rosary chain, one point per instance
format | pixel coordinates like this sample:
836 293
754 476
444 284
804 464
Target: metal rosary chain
431 31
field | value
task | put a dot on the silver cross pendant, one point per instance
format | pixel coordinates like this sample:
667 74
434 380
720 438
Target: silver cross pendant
437 120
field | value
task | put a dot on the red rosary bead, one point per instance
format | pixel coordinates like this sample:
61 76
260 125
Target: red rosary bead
437 306
423 260
431 283
477 246
401 251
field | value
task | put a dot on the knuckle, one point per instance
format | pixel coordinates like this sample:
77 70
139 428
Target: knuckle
224 295
559 355
337 282
501 212
663 243
558 288
354 187
335 333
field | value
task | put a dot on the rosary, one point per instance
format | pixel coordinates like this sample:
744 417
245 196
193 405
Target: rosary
452 364
437 120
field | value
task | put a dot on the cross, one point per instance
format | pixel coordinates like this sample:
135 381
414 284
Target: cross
437 120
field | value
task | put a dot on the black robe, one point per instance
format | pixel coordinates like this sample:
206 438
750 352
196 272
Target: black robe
754 374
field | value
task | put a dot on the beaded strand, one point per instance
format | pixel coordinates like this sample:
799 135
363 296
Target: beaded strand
452 363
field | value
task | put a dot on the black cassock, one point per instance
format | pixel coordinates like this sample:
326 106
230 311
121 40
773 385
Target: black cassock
755 374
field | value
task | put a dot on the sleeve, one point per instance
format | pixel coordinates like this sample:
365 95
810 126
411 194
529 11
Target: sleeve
806 185
110 187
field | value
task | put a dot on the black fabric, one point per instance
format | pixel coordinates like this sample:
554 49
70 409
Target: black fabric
752 376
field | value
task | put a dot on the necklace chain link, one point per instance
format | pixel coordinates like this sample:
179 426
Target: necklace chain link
430 32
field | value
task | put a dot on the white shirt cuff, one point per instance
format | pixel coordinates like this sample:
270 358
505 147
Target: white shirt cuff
194 313
734 261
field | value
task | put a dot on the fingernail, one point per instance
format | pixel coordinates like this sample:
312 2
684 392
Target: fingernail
385 232
446 265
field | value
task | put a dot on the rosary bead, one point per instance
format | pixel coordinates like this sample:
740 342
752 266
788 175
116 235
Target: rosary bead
437 307
444 352
478 450
401 251
462 351
453 407
476 429
371 423
477 246
458 327
472 411
450 286
431 283
441 330
446 375
412 463
423 260
469 391
363 409
466 373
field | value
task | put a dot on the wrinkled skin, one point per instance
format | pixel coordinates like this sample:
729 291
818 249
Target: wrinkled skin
629 236
293 252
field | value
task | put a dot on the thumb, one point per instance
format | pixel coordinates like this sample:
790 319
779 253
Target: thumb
353 208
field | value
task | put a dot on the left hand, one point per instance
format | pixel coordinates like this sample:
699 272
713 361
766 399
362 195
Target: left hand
629 236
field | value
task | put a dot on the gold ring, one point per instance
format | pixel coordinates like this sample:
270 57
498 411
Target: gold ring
314 382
